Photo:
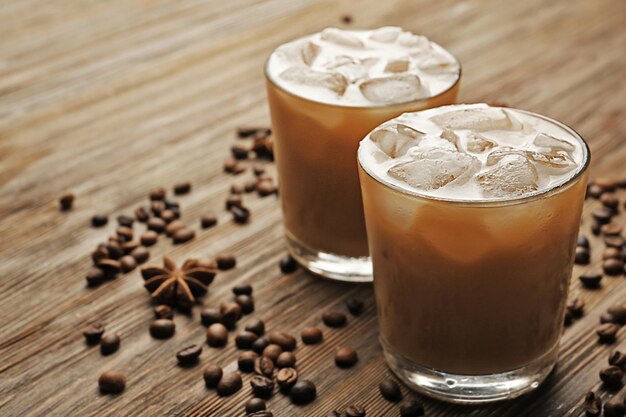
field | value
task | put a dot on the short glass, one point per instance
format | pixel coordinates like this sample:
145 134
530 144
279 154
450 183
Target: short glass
471 294
315 145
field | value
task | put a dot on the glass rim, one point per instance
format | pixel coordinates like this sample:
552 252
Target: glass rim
555 189
347 106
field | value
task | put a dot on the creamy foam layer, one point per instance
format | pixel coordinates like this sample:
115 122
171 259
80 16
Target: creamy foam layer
472 152
363 67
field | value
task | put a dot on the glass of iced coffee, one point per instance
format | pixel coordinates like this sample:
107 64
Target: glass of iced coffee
326 92
472 216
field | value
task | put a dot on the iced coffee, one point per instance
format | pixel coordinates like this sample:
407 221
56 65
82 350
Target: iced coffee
326 92
472 216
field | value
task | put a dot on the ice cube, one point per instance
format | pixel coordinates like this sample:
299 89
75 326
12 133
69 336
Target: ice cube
451 137
475 118
477 143
435 168
386 34
513 176
303 75
409 40
369 62
555 160
437 62
348 66
341 37
309 52
543 140
395 140
397 65
393 89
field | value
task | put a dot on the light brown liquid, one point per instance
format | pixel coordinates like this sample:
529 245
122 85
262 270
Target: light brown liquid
471 289
315 146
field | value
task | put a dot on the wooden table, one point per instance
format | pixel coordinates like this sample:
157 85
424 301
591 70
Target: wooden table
108 99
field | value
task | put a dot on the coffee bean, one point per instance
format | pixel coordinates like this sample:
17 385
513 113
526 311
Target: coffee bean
245 339
254 405
229 384
346 357
263 413
162 328
411 408
110 267
602 215
189 355
607 184
262 386
246 303
618 311
210 315
174 226
568 318
286 360
226 261
286 378
217 335
212 374
230 165
114 249
622 255
334 319
242 289
128 263
311 335
611 229
390 390
256 326
594 191
129 246
607 318
149 238
182 188
163 311
241 215
614 241
611 253
94 277
124 220
596 228
612 376
99 220
355 306
66 201
112 382
125 233
157 224
607 332
593 405
355 411
99 254
246 132
583 241
613 266
208 221
140 254
157 194
263 365
610 201
265 188
582 256
576 306
303 392
614 408
109 343
617 358
184 235
93 333
260 344
246 361
230 313
590 280
272 351
288 264
283 339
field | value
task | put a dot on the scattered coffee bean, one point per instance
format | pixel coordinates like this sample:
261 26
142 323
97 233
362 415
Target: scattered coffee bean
286 378
618 311
346 357
169 216
141 214
109 343
576 306
334 319
593 405
242 289
411 408
607 318
346 19
602 215
355 306
610 201
286 360
607 184
140 254
590 280
232 166
260 344
614 408
230 313
265 188
99 254
163 311
128 263
212 374
110 267
264 366
162 328
262 386
258 170
174 226
93 333
612 376
303 392
246 361
210 315
157 194
234 200
568 318
217 335
613 266
239 152
311 335
390 390
607 332
256 326
182 188
129 246
582 256
99 220
95 276
594 191
245 339
617 358
611 253
611 229
241 215
614 241
124 220
288 264
226 261
272 351
189 355
595 228
157 224
184 235
355 411
149 238
583 241
229 384
66 201
246 132
283 339
254 405
208 220
125 233
112 382
246 303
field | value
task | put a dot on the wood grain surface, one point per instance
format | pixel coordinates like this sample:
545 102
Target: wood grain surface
108 99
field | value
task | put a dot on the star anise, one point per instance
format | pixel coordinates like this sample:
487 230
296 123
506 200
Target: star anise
178 287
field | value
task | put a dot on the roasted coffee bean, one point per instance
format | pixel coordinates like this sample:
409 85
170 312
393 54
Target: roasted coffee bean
311 335
411 408
246 361
242 289
112 382
264 413
109 343
124 220
607 332
617 358
98 254
607 184
582 256
162 328
346 357
174 226
611 229
128 263
262 386
260 344
66 201
286 360
256 326
286 378
169 216
157 194
390 390
355 306
208 220
246 303
149 238
254 405
163 311
583 241
95 276
613 266
129 246
212 374
239 152
245 339
622 255
303 392
593 405
288 264
272 351
236 189
110 267
258 170
594 191
184 235
263 365
229 384
596 228
172 205
93 333
99 220
607 318
283 339
614 408
189 355
614 241
141 214
568 318
612 376
226 261
230 165
114 249
182 188
618 311
611 253
241 215
250 185
246 132
217 335
355 411
230 313
157 224
602 215
210 315
125 233
590 280
576 306
334 319
233 200
140 254
609 201
265 188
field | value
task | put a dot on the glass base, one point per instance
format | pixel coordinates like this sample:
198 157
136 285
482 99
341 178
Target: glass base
329 265
470 389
